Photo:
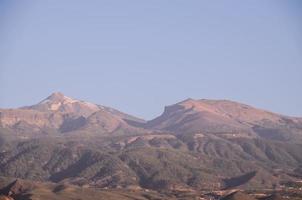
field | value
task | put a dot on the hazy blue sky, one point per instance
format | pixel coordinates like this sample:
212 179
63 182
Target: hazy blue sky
138 56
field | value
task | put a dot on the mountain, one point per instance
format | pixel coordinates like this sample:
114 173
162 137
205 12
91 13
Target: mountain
58 102
195 145
226 117
59 114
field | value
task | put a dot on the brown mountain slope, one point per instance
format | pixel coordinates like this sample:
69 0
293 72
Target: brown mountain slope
222 116
200 144
31 190
152 161
58 102
59 113
238 196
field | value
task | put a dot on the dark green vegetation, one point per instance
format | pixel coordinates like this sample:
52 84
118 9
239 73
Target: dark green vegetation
158 163
196 145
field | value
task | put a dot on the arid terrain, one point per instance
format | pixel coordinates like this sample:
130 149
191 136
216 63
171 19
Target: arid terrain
63 148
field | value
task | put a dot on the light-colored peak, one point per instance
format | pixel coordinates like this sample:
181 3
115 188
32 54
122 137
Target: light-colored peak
56 96
57 101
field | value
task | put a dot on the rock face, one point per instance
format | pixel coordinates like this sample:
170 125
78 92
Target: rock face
60 113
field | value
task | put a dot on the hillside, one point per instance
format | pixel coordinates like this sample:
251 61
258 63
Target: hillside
223 116
194 145
61 114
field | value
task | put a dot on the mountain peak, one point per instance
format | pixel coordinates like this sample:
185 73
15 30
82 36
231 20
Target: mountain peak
56 96
211 115
57 101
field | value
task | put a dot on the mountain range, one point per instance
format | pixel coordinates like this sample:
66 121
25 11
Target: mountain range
194 145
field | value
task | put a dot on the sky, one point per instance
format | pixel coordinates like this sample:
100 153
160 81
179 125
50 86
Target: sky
139 56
